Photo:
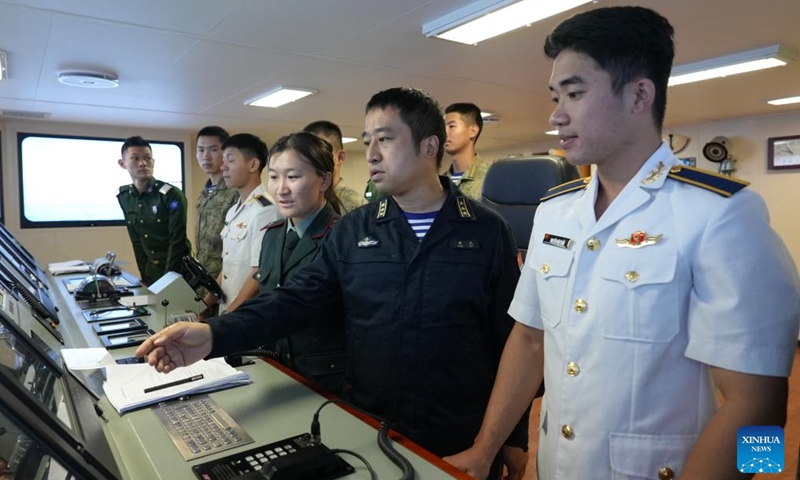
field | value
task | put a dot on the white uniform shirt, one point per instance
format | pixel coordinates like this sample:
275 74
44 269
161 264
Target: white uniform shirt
241 241
630 332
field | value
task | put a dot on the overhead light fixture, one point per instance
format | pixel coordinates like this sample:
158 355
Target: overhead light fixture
279 96
89 79
489 18
348 140
3 65
551 132
742 62
784 101
486 114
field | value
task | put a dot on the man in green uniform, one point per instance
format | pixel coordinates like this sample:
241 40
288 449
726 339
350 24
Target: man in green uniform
214 201
331 133
464 125
155 214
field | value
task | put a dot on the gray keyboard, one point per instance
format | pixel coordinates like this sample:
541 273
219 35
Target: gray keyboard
200 427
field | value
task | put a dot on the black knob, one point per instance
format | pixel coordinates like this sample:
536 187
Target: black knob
164 302
197 298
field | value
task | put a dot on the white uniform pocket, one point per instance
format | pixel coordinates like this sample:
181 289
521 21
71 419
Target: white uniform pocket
638 298
552 266
635 457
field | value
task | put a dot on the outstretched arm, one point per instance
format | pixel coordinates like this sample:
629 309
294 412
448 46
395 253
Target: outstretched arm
179 345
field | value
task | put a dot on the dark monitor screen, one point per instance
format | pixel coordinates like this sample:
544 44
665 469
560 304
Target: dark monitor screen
45 418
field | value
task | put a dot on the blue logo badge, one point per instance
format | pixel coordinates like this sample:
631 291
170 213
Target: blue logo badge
174 205
760 450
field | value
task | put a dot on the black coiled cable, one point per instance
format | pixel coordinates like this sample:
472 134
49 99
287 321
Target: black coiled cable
393 455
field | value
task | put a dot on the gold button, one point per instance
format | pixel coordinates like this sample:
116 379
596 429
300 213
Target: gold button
593 244
566 432
573 369
158 220
156 262
580 305
258 275
545 268
666 473
140 205
146 236
632 276
141 221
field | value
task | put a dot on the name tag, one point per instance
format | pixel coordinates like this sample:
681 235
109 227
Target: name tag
556 241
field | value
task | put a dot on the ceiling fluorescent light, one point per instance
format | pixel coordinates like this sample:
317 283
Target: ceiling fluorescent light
489 18
348 140
749 61
279 97
486 114
784 101
551 132
3 65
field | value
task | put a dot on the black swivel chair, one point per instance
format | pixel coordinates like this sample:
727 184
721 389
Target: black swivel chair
514 187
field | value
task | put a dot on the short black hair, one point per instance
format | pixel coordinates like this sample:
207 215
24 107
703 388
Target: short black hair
327 129
135 141
418 110
470 113
626 42
214 131
251 147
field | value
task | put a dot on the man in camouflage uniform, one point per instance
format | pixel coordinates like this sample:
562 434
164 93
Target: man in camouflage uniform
331 133
464 125
155 213
214 200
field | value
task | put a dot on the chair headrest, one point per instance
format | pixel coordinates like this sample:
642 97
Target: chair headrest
526 180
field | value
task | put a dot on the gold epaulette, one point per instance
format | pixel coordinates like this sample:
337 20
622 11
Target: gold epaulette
463 208
714 182
571 186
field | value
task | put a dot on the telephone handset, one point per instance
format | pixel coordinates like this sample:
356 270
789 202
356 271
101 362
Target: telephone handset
199 277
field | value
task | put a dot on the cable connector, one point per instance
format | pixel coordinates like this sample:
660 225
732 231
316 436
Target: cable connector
316 437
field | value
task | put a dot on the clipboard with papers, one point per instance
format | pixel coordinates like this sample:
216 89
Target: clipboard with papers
137 385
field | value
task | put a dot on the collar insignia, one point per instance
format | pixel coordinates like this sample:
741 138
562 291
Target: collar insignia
241 225
654 174
382 206
556 241
368 242
638 239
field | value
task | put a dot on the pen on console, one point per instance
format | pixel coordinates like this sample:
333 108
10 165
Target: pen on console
172 384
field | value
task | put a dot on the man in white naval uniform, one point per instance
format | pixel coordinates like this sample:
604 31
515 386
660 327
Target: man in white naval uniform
648 286
244 158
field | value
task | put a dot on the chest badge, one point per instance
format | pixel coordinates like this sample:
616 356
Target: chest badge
638 239
241 225
155 209
556 241
368 242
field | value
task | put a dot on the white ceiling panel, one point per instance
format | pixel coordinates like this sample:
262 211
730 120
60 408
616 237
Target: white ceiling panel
187 63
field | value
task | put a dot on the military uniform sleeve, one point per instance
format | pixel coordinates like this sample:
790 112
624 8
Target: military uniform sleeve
176 248
745 305
138 250
505 284
525 305
311 294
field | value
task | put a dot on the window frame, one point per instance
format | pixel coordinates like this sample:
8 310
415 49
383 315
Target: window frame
25 223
